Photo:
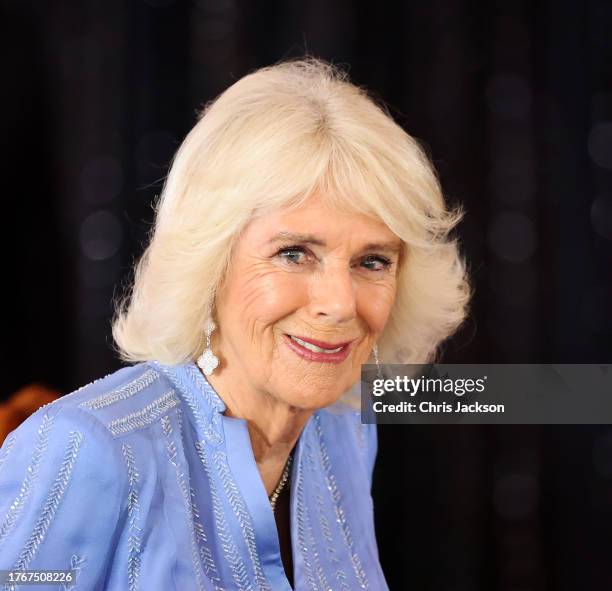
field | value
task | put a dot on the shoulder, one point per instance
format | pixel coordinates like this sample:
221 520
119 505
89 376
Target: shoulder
77 430
71 456
64 478
115 404
84 429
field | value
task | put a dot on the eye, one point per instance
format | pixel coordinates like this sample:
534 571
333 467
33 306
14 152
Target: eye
373 259
293 251
294 255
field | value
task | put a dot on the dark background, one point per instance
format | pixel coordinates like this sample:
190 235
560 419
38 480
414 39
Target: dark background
513 102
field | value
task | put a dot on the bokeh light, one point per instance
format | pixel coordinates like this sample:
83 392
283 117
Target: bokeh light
600 144
100 235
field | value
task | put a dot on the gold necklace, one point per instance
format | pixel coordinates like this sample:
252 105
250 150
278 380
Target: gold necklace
281 483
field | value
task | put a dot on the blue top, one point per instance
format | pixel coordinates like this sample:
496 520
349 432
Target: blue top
139 481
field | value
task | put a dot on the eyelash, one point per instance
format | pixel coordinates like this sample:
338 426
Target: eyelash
385 261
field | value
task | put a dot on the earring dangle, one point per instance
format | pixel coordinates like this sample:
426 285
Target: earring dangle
378 370
208 361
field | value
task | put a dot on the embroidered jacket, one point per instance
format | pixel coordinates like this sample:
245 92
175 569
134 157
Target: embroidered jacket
139 481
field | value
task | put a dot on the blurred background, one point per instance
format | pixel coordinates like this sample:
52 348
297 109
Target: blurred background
512 101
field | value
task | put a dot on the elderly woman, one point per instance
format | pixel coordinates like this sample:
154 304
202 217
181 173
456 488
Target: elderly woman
300 231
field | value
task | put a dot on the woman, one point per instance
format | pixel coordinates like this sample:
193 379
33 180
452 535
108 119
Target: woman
299 232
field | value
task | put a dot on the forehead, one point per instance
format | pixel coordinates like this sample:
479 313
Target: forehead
315 219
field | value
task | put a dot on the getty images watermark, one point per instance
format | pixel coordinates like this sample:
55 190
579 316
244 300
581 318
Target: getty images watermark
413 386
487 393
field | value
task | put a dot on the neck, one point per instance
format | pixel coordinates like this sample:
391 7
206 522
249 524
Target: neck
274 426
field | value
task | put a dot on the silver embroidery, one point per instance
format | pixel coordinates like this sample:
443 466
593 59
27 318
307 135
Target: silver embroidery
205 553
232 556
211 426
75 392
6 448
16 506
89 384
330 480
303 521
187 499
244 519
76 564
316 470
133 506
51 505
211 396
149 414
135 386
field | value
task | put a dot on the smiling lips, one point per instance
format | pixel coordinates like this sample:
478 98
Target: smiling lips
319 344
318 350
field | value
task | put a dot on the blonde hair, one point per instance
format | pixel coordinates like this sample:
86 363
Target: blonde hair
272 139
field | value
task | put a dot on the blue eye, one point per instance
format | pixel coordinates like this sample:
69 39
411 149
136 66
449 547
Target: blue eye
386 263
293 253
291 249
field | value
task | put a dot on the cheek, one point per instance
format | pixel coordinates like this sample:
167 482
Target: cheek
265 296
376 304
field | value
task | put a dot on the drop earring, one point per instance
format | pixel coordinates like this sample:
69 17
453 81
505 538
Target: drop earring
377 360
208 361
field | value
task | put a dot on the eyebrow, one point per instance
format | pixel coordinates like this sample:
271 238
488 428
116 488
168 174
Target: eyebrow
391 247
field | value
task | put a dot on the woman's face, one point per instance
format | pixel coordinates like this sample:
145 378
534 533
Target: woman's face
330 284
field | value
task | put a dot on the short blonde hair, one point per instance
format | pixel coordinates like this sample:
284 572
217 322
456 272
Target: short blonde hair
272 139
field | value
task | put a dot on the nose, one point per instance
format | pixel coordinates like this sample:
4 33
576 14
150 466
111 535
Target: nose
333 294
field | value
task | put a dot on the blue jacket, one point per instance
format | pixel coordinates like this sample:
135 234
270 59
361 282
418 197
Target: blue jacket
139 481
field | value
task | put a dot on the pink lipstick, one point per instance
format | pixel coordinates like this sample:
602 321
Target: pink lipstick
338 352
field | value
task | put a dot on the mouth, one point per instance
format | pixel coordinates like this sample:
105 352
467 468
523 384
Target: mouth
315 350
